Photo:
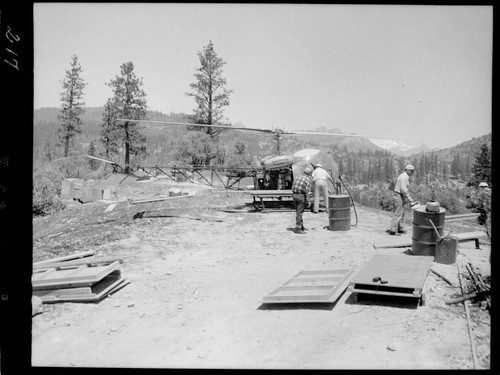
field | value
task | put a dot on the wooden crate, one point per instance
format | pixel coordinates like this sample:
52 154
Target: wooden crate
311 286
405 275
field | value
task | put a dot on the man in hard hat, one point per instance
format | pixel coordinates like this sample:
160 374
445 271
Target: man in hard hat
320 178
301 188
401 196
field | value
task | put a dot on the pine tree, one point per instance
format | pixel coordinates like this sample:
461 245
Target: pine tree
72 105
481 170
109 129
48 153
129 102
92 152
455 166
209 91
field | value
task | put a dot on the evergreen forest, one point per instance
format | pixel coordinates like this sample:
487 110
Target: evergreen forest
446 175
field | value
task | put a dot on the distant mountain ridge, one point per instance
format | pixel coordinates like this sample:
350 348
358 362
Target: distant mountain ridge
400 149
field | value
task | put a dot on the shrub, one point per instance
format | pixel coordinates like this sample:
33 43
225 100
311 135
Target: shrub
46 191
386 201
450 202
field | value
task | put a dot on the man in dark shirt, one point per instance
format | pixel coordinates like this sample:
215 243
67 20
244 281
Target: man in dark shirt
301 188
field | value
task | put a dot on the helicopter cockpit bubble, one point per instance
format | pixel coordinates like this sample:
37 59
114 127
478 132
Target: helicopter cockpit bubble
309 158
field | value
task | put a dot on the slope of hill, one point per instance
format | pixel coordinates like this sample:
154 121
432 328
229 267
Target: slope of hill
162 139
470 147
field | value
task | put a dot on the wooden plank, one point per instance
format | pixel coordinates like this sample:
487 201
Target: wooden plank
322 273
414 294
304 287
79 277
99 290
47 272
287 193
461 217
63 291
403 275
67 257
467 236
393 245
51 274
93 260
311 286
462 237
161 199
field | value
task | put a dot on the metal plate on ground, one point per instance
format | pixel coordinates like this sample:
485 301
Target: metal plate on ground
399 275
311 286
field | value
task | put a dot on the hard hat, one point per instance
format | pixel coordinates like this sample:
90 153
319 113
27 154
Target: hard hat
483 184
307 171
318 166
409 167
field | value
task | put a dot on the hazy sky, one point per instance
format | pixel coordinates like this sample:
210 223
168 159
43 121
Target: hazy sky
419 72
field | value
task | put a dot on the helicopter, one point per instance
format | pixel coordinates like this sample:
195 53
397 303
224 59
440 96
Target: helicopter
277 172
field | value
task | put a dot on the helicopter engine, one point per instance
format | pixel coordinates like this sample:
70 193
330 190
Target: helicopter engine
280 171
277 173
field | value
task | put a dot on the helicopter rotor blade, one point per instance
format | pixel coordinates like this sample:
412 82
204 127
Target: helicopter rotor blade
199 125
277 132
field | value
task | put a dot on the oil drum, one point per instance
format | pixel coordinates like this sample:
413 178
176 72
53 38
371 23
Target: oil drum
339 212
425 238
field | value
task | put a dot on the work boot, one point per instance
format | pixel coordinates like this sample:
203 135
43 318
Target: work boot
402 231
394 233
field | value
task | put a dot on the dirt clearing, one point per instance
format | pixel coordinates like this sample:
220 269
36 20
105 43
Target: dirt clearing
199 268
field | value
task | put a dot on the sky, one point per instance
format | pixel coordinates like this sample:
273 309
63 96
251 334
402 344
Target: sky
420 73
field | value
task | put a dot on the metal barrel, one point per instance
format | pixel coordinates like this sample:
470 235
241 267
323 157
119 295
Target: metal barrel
425 238
339 212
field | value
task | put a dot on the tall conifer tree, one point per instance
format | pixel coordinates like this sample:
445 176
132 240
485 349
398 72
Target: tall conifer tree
72 105
481 170
209 91
129 102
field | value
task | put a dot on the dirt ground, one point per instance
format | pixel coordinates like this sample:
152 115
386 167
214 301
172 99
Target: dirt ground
199 267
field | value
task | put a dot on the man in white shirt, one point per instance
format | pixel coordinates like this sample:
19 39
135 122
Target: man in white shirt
401 195
320 178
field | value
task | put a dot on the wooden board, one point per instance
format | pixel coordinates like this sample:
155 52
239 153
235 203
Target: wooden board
461 217
70 278
470 236
405 275
311 286
77 262
67 257
462 237
272 193
161 199
84 294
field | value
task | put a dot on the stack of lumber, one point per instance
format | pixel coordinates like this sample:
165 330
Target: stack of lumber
79 277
